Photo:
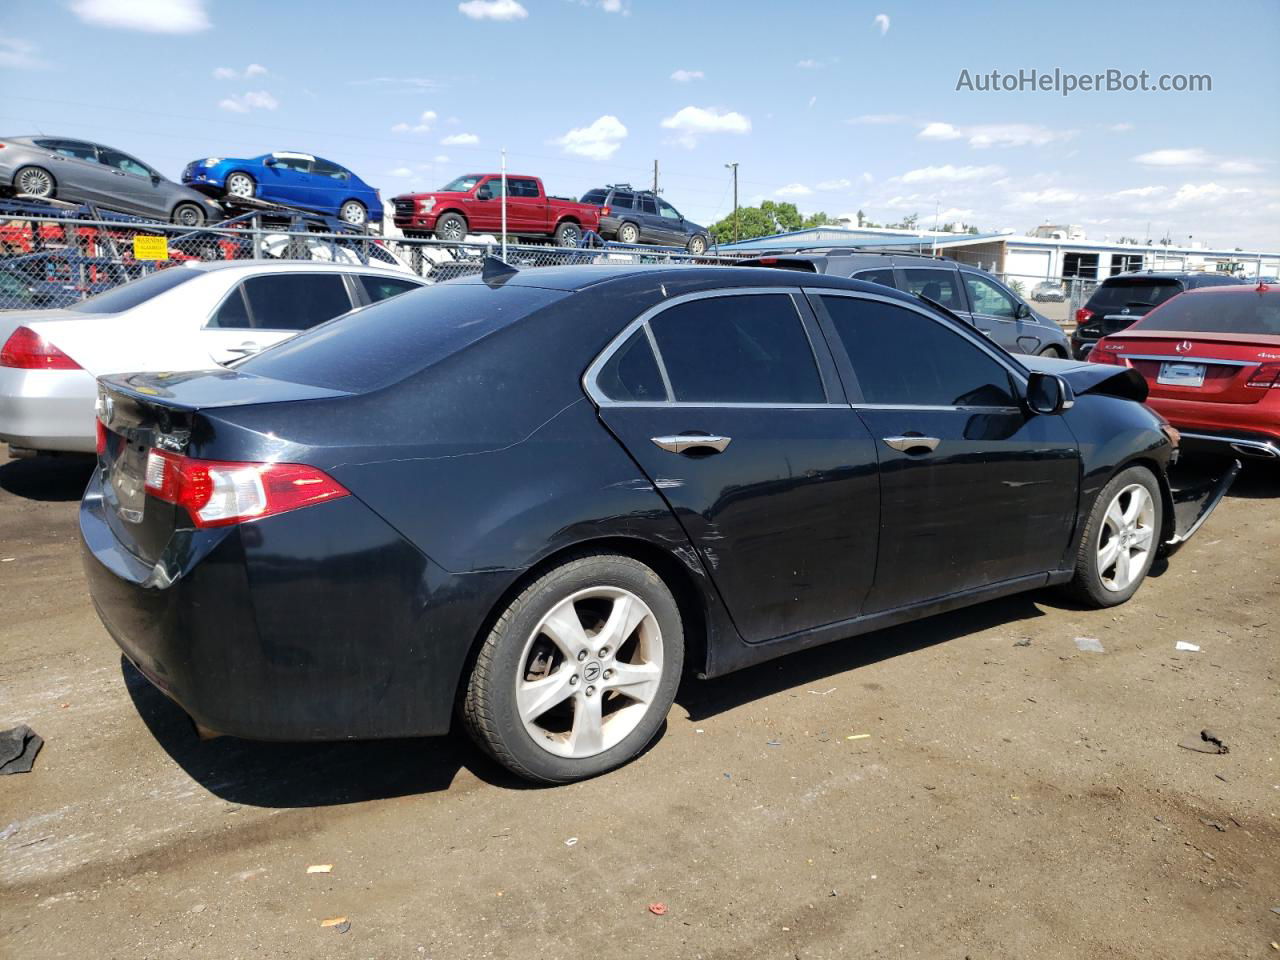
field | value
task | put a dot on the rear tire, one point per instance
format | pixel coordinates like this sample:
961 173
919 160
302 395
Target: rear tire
1052 351
578 673
354 213
1120 540
34 182
568 234
188 215
698 245
451 227
628 233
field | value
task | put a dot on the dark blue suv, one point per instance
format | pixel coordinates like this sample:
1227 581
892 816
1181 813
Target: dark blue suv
641 216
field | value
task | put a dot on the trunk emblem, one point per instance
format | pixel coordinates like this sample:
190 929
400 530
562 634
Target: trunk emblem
1184 346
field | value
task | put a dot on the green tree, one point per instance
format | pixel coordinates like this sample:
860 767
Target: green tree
819 219
762 221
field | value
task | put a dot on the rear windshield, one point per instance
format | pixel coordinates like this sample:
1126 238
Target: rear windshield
382 344
1137 294
595 196
135 292
1251 313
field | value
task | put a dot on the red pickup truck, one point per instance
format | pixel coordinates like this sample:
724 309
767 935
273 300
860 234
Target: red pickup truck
473 204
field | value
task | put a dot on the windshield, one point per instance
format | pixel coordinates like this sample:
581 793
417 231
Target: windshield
1249 313
131 294
464 184
1137 294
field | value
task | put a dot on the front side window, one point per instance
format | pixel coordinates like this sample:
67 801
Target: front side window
119 161
296 164
738 349
988 299
903 358
939 286
631 373
295 301
668 211
384 288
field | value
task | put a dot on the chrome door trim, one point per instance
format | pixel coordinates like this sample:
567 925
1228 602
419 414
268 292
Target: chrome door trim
1180 358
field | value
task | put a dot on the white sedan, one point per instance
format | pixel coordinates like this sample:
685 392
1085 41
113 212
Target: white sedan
181 318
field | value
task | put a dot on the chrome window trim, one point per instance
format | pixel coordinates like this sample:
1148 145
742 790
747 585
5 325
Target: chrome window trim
1181 359
944 408
592 388
1019 373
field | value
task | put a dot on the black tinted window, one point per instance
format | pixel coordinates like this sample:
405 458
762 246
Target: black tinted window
647 205
519 187
884 276
137 291
383 288
323 168
1248 313
70 148
622 200
389 341
595 196
233 314
938 285
743 349
632 373
295 301
1139 294
901 357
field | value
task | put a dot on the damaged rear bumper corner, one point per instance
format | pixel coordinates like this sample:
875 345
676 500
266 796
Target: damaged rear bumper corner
1193 503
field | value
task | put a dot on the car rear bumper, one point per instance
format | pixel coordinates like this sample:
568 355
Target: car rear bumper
319 624
48 409
1249 445
1251 429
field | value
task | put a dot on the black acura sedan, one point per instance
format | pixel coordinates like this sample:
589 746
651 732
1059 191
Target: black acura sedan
532 499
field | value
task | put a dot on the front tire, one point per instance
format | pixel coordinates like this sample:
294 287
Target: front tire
698 246
578 673
241 186
628 233
354 213
1120 540
451 227
188 215
34 182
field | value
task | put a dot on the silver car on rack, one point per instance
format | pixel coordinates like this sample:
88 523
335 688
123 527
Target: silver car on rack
78 171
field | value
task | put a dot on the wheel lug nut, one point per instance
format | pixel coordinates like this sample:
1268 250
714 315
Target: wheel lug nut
582 654
573 681
604 651
590 691
608 674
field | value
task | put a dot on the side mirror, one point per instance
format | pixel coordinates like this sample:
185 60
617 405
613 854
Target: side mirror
270 161
1022 312
484 193
155 179
1048 394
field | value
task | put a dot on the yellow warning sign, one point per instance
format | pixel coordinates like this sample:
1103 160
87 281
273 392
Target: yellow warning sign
150 248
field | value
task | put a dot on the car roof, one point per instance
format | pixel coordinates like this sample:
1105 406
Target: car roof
1158 275
291 266
1234 289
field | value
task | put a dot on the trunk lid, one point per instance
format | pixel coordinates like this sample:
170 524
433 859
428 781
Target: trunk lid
142 412
1208 367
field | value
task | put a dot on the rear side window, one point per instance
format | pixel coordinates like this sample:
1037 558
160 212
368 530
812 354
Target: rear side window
295 301
883 275
384 288
739 349
136 292
631 373
940 286
1138 295
647 205
903 358
624 200
389 341
70 148
323 168
233 314
519 187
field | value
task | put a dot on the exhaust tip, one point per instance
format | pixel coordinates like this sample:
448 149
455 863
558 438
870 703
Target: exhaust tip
1260 451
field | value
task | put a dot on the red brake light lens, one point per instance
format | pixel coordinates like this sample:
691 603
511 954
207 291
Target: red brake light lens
27 350
219 494
1084 315
604 211
101 436
1267 375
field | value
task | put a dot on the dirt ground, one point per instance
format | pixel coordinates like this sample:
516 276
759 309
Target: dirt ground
1013 799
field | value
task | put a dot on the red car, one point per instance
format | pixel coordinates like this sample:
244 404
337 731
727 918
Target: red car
472 204
1211 359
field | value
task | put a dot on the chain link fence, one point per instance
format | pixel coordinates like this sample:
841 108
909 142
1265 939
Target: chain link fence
55 262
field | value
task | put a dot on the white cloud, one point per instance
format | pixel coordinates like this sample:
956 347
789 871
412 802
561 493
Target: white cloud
406 83
690 123
599 141
1196 157
1052 196
1137 192
422 126
878 119
995 134
440 158
951 174
224 73
812 101
493 10
881 20
810 64
685 76
840 184
1124 127
150 16
614 6
460 140
255 70
16 54
230 73
952 213
253 100
793 190
1238 166
401 172
1193 194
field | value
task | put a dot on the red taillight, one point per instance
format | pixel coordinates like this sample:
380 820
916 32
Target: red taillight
604 211
768 261
218 494
1084 315
101 435
1100 353
27 350
1267 375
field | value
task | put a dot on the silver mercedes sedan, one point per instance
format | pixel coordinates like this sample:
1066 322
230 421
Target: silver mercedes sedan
82 172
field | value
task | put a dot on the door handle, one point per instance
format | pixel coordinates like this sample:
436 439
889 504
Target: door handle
245 349
909 443
683 443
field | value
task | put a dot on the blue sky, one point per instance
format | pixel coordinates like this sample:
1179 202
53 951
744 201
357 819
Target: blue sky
823 103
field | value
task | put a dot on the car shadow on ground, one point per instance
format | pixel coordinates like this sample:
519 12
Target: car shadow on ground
60 479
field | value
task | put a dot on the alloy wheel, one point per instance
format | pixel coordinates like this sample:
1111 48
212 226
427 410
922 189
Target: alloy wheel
589 672
353 213
239 185
1126 537
35 182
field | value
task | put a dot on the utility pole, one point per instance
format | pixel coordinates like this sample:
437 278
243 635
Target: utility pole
655 175
504 204
734 168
